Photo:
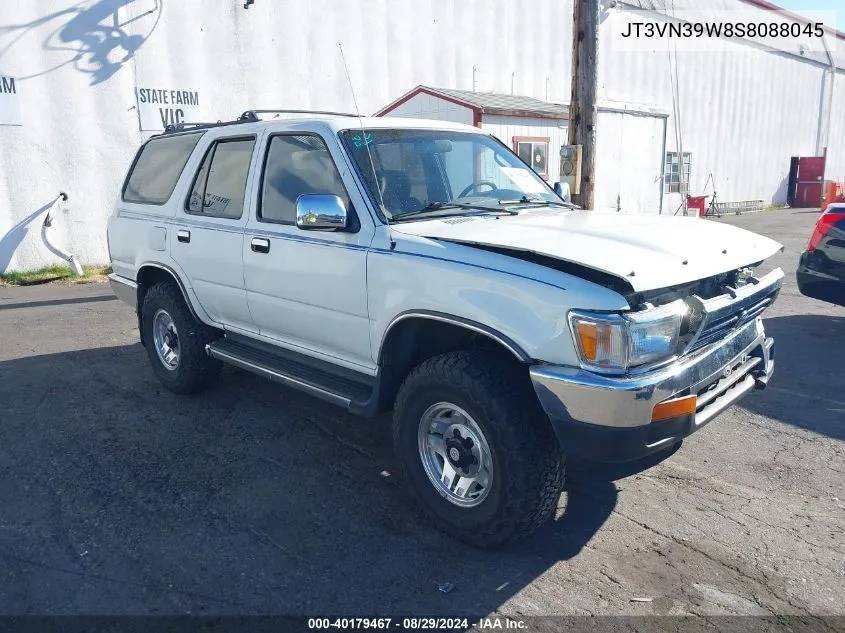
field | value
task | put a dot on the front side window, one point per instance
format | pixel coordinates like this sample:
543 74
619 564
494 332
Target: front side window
157 168
417 172
296 165
220 184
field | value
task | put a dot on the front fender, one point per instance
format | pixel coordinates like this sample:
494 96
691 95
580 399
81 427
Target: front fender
519 302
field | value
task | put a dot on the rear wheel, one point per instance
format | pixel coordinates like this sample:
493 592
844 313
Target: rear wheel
476 448
176 341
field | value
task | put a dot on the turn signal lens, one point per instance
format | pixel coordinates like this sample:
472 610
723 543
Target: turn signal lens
603 344
588 335
674 408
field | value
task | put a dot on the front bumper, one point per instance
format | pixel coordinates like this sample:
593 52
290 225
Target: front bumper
608 418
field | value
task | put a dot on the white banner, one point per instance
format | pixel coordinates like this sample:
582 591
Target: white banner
10 102
160 107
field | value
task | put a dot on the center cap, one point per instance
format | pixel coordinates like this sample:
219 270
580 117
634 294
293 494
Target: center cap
454 454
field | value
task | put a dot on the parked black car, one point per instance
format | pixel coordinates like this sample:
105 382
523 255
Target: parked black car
821 269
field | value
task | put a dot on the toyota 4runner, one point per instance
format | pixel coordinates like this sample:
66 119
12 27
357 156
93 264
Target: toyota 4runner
421 267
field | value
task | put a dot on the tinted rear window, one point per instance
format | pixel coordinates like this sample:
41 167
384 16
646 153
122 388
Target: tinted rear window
157 168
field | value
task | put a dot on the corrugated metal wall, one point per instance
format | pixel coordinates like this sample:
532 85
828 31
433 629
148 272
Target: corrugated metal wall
745 110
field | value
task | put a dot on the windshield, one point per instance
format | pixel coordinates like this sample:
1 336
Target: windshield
428 172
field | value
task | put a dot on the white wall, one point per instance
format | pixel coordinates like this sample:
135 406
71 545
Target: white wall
630 147
744 110
78 64
506 127
426 106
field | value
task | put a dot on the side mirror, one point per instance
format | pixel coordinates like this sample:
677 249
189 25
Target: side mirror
562 190
319 212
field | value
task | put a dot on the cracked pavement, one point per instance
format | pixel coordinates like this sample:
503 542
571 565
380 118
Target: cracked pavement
118 497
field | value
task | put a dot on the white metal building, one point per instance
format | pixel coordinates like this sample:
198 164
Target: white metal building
531 127
94 78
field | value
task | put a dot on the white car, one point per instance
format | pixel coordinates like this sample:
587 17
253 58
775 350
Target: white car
421 267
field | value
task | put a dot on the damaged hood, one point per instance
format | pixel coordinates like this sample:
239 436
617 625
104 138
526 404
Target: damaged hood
648 252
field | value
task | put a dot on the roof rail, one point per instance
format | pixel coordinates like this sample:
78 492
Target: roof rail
252 115
185 127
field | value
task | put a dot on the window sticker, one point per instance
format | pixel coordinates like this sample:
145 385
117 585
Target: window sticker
523 179
360 141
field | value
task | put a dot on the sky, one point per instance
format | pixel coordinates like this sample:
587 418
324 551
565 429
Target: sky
799 6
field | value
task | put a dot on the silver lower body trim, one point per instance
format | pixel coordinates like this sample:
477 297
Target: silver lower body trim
277 376
124 289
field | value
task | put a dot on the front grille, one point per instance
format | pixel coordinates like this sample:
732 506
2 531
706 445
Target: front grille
723 315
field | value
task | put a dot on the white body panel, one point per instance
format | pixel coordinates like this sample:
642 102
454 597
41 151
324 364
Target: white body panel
212 258
309 292
660 252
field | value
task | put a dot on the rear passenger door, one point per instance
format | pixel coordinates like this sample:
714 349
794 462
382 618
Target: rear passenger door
307 290
210 230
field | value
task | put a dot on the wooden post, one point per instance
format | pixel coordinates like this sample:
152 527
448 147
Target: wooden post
582 105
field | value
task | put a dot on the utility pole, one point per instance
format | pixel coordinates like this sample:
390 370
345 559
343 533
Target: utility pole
582 105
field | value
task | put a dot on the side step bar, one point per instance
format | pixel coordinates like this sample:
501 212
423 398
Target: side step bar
340 390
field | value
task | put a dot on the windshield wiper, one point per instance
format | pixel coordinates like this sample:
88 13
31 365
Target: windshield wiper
547 203
445 206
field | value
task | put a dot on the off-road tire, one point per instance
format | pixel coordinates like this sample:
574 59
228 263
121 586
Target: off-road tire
196 370
528 465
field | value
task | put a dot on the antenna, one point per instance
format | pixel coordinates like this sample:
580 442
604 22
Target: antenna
361 124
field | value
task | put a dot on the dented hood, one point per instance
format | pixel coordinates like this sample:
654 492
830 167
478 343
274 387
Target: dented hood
649 252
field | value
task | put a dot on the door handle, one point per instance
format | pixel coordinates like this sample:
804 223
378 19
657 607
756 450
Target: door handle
260 245
183 236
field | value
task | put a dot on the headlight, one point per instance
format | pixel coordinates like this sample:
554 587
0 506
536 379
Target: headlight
616 342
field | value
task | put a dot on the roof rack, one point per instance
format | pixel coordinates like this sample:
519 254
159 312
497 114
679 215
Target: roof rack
185 127
250 116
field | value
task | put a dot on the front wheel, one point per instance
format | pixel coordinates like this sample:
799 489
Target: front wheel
476 448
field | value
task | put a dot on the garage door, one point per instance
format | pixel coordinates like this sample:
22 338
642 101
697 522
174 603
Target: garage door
629 163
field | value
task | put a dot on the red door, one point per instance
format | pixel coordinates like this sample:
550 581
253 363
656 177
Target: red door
808 191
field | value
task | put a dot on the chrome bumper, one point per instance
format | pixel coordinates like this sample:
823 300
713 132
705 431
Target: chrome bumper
125 289
579 401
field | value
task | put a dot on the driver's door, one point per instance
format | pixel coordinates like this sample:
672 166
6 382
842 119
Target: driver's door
307 290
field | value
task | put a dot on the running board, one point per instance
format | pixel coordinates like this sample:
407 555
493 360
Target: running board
340 390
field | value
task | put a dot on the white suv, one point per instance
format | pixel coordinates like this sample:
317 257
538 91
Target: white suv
421 267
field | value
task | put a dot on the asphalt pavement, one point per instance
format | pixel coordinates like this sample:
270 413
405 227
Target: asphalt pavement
118 497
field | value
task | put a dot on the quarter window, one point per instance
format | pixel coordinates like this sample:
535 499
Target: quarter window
157 168
220 184
674 169
296 165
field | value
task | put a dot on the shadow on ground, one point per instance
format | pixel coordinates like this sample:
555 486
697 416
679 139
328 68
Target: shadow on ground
808 387
120 497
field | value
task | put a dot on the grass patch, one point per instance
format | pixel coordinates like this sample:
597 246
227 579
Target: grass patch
54 273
